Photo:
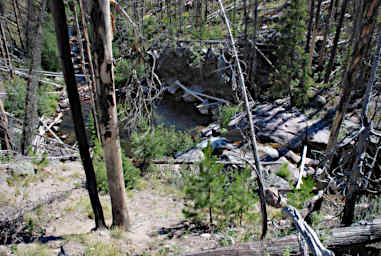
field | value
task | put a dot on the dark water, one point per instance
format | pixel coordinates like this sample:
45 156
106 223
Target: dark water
180 115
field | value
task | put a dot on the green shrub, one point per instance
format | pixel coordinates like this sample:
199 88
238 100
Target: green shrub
130 172
226 113
124 70
284 172
298 197
15 102
160 141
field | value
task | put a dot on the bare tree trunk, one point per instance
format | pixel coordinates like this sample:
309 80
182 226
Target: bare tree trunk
58 10
314 33
5 45
245 20
258 167
31 98
310 23
84 70
369 20
18 23
30 22
335 42
91 66
180 8
253 57
326 32
358 167
102 44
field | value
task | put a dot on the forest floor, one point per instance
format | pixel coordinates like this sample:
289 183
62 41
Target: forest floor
155 207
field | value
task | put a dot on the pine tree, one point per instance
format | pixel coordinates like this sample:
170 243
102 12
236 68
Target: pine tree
293 77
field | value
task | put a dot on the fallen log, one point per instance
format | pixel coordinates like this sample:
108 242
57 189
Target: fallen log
219 162
334 239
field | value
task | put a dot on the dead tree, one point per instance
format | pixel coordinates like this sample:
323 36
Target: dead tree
335 43
326 32
6 50
359 51
91 66
106 100
310 25
58 10
359 171
31 98
315 31
253 144
16 11
83 68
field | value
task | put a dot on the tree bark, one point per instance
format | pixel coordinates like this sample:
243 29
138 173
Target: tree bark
310 25
84 70
314 33
102 45
91 66
58 10
335 42
326 32
31 98
17 23
5 44
369 20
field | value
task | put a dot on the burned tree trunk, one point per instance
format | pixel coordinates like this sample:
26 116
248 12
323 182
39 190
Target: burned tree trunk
31 98
359 170
369 20
106 100
335 42
58 10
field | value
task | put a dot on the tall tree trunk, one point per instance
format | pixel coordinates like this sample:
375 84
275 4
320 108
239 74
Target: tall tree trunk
359 168
244 20
30 23
17 23
180 8
31 98
84 70
253 57
326 32
253 142
335 42
310 25
102 45
91 66
58 10
314 33
359 51
6 50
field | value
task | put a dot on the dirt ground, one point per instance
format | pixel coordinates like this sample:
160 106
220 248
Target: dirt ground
155 208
